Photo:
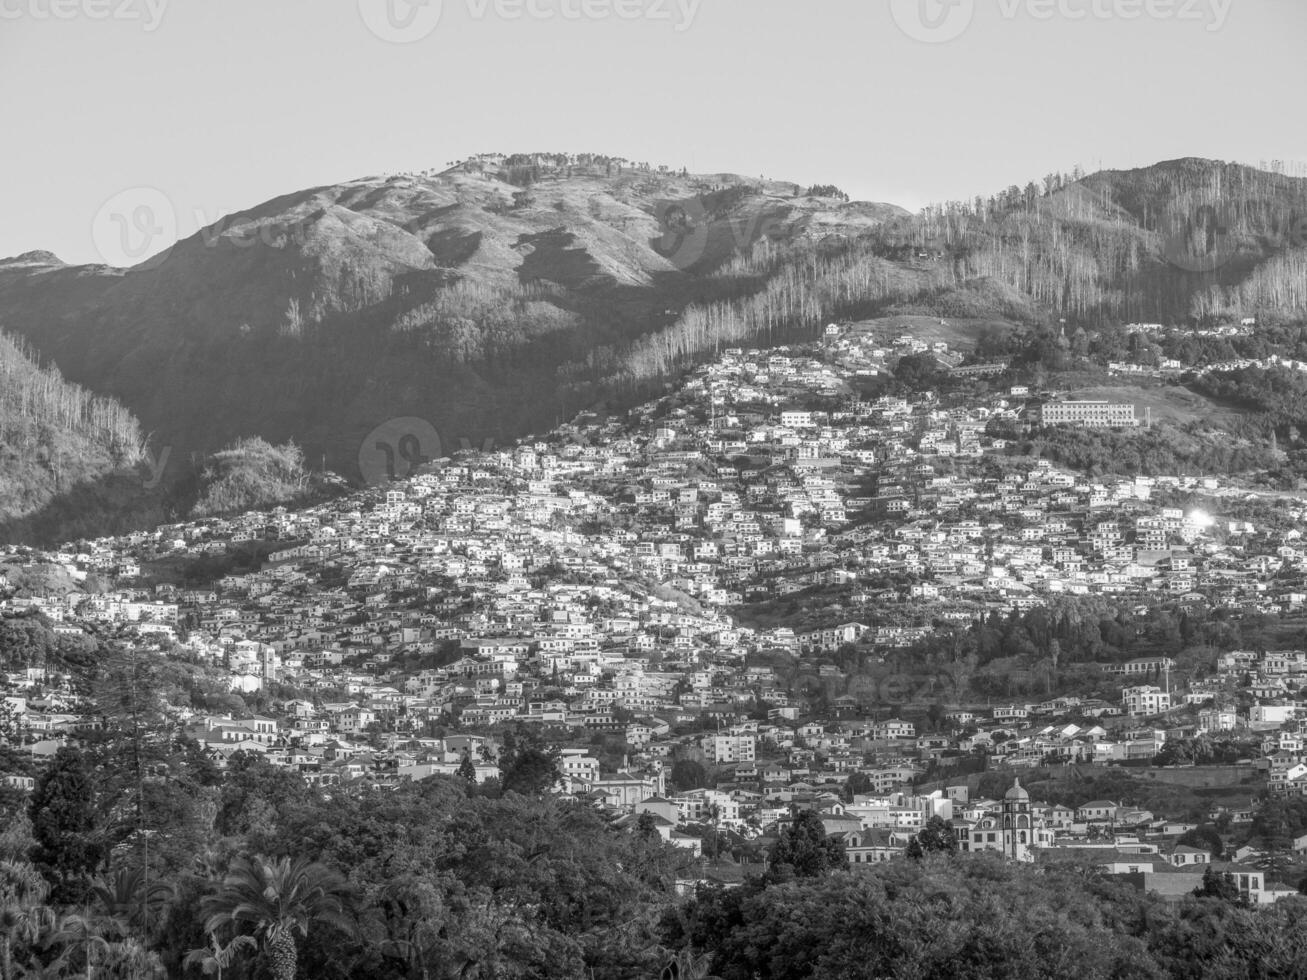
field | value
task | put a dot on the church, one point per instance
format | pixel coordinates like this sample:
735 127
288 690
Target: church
1013 830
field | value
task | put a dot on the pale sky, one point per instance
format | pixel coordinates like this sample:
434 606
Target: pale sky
220 104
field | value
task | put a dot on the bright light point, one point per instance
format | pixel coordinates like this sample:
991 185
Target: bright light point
1202 518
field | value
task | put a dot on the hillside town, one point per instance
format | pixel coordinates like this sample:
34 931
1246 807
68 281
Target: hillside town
615 587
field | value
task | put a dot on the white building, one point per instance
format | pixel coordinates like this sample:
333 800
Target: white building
1013 831
1145 700
723 749
1089 414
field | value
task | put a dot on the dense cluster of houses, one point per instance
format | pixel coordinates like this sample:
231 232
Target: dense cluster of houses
590 583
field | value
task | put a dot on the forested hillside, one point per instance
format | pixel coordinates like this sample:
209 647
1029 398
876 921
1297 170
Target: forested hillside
76 464
54 434
1190 239
1187 238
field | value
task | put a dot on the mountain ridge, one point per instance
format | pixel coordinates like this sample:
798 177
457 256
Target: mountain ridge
497 296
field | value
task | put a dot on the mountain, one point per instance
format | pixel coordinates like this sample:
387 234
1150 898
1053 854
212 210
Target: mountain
491 299
473 298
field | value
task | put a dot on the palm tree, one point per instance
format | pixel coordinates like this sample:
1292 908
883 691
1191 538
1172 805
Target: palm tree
684 965
275 899
215 957
24 916
21 926
130 897
76 932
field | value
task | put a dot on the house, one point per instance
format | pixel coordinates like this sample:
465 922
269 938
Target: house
1145 700
1174 884
874 846
1060 816
1183 855
1097 811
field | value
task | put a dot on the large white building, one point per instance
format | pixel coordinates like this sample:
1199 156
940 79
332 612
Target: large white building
1088 414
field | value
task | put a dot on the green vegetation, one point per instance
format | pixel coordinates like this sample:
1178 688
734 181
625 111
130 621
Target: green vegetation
136 857
1194 449
826 190
251 475
977 916
422 881
53 434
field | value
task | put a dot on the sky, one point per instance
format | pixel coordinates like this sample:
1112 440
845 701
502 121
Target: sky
204 107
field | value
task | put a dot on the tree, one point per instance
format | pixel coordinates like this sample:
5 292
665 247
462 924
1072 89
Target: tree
24 916
920 372
466 769
1205 837
255 789
858 783
688 774
935 838
804 850
131 897
64 824
277 899
1217 884
215 957
684 965
525 765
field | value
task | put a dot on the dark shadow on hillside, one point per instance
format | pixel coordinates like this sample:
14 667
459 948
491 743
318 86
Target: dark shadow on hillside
115 503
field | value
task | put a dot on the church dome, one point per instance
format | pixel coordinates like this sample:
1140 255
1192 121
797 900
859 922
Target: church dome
1016 792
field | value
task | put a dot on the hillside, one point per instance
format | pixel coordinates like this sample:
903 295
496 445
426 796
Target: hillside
1183 239
54 434
248 475
481 298
493 298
